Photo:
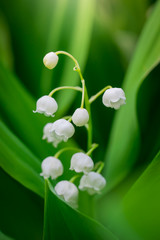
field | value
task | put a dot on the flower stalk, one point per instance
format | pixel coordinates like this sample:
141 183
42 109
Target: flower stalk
64 87
74 178
62 129
93 98
94 146
66 149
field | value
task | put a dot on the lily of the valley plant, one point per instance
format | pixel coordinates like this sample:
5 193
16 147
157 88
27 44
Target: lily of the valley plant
90 178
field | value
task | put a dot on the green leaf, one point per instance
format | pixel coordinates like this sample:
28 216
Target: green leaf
104 57
54 35
4 237
21 210
78 37
17 107
19 162
123 13
124 140
78 47
64 222
5 45
141 204
26 39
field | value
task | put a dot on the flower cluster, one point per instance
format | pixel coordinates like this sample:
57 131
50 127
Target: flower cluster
62 129
90 181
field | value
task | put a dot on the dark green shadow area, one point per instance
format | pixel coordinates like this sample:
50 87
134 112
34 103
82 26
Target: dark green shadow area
21 211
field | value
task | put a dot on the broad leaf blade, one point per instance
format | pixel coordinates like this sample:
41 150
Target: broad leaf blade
54 36
6 55
63 222
132 209
17 106
124 140
27 34
141 204
4 237
21 210
78 47
19 162
76 43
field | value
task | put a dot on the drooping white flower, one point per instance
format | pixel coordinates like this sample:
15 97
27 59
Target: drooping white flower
81 162
51 167
80 117
46 105
93 182
114 98
47 133
68 191
50 60
61 130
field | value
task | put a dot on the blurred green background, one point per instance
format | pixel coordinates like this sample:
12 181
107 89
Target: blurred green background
116 42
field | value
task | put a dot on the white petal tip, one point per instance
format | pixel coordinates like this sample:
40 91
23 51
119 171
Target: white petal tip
49 115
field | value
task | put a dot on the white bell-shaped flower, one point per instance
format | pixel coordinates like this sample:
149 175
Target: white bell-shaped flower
50 60
61 130
46 105
114 98
80 117
47 133
68 191
51 167
81 162
93 182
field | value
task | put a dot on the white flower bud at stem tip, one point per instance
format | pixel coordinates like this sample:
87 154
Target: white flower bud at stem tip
80 117
50 60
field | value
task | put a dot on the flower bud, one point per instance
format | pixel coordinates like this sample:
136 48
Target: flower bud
46 105
92 183
50 60
61 130
80 117
51 167
114 98
68 191
81 162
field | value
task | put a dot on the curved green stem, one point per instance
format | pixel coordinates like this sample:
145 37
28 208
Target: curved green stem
64 87
66 149
99 166
67 117
94 146
88 108
79 72
93 98
69 55
83 93
74 178
77 69
70 119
